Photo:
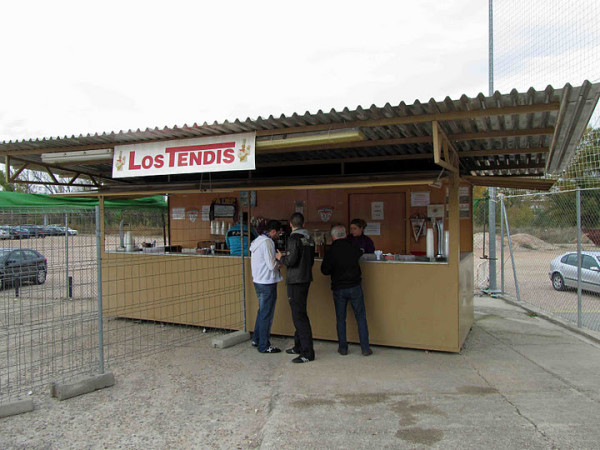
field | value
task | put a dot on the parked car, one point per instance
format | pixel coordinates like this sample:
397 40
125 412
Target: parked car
52 230
36 231
59 230
4 233
16 232
18 265
563 271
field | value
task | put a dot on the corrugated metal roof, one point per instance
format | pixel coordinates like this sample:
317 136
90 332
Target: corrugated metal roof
514 134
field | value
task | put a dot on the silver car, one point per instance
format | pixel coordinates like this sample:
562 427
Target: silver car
563 271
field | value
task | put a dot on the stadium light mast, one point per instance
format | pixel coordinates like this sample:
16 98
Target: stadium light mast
492 288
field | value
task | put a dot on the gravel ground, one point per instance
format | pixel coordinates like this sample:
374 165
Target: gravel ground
190 397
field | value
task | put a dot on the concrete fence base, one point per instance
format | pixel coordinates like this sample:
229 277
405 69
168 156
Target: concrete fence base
230 339
14 408
85 386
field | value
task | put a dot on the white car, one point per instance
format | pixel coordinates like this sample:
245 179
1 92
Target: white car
563 271
4 234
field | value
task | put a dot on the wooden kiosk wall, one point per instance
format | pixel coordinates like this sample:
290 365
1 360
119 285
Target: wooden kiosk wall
412 305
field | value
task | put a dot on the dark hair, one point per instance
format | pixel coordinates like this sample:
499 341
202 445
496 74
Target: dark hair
297 220
273 225
359 223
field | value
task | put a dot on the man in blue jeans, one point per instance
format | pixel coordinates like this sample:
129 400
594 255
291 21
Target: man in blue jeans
341 262
265 274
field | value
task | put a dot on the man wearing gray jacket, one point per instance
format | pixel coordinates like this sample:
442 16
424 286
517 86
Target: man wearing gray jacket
299 259
265 274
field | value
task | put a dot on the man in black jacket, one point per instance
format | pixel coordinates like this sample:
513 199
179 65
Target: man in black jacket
299 258
341 262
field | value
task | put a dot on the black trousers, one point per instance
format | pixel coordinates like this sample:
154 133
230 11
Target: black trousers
303 341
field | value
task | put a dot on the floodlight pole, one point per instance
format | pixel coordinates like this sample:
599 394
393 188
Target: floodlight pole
492 288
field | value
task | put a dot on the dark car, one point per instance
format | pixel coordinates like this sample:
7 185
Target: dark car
36 231
52 230
18 265
20 232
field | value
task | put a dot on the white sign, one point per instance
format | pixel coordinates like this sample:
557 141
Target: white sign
372 229
178 213
420 198
208 154
377 210
205 213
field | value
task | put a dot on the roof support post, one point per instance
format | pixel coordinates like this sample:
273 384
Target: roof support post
7 168
444 153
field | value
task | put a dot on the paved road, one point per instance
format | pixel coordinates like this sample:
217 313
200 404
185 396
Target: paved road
520 382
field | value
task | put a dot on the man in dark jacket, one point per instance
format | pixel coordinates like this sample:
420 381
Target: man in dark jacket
299 258
341 262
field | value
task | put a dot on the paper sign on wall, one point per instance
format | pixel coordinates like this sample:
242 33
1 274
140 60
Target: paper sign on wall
205 213
377 211
178 213
372 229
420 198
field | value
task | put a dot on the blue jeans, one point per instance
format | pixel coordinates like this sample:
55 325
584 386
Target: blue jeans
355 296
267 295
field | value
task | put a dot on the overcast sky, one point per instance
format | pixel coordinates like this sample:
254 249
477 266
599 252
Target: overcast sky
78 67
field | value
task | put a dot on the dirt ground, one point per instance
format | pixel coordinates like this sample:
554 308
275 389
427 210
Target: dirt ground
532 257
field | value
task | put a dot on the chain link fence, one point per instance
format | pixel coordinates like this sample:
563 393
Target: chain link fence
154 295
538 258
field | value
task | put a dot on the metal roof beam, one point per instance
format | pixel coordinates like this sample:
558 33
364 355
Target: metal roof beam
47 166
440 117
411 140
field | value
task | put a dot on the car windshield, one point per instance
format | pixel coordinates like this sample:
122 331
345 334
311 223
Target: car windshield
3 254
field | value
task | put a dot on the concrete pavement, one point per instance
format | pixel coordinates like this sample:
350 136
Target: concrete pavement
520 382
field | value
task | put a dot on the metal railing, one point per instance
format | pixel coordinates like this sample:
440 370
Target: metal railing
539 232
98 304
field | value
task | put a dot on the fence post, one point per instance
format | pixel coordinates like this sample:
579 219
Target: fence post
512 256
501 243
493 288
243 265
579 256
67 282
99 288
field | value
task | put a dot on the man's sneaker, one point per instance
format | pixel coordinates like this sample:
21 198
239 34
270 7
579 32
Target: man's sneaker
272 349
300 359
291 351
254 344
367 352
343 351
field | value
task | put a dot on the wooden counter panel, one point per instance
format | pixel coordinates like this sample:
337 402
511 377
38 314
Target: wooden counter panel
408 305
188 290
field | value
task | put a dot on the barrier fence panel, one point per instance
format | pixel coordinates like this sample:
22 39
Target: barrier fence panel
544 236
48 312
151 300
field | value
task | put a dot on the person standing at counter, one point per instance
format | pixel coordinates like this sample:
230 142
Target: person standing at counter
299 258
358 238
232 238
265 274
341 262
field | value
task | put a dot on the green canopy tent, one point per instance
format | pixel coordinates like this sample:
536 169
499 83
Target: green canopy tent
12 200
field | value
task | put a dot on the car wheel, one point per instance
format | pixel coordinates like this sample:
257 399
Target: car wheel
40 276
557 282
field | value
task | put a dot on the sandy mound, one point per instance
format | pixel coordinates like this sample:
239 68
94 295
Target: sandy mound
519 241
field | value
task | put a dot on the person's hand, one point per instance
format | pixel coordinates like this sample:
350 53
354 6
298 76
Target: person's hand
278 255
